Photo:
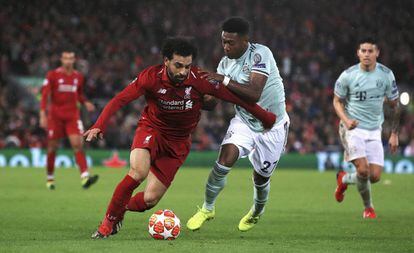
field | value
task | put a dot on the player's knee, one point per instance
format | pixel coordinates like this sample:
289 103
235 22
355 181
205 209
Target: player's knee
374 178
151 200
136 174
363 173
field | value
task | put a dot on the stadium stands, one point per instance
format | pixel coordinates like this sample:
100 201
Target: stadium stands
313 41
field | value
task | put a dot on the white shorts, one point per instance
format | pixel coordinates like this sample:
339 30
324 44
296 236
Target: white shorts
263 148
360 143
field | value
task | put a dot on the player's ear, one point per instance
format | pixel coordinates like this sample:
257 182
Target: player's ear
166 61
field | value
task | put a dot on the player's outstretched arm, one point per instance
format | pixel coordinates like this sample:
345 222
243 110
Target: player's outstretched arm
218 90
133 91
250 92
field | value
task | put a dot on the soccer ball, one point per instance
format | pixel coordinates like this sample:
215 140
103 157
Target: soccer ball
164 225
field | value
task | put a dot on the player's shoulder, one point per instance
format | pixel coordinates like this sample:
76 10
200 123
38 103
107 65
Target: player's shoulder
152 72
352 69
383 68
260 49
78 73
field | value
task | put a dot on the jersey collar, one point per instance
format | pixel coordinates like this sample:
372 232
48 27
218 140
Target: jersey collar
241 58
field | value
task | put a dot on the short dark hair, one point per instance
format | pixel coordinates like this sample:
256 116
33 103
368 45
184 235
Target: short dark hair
182 46
237 25
367 39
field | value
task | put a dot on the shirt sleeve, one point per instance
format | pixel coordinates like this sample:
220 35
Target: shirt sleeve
220 67
262 61
46 89
81 94
391 90
341 86
134 90
221 92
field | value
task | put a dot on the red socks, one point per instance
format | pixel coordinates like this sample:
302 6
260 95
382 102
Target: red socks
137 203
120 198
51 163
81 161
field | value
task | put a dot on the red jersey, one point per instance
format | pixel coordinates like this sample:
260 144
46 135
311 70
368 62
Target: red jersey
65 91
174 109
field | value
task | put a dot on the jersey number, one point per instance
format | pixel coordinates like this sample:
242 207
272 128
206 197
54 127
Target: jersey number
361 95
267 166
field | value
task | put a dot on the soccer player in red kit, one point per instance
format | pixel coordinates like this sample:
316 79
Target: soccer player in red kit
174 93
60 117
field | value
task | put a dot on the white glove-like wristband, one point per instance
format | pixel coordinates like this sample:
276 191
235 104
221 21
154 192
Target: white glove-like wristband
226 80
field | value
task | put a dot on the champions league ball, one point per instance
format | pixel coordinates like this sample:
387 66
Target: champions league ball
164 225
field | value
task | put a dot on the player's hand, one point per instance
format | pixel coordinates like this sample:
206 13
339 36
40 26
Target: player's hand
89 106
393 142
43 121
94 133
351 124
210 76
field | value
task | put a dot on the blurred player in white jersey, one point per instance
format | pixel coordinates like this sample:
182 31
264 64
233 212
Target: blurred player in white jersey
250 71
360 93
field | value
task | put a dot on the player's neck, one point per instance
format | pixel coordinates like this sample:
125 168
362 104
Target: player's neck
68 70
368 68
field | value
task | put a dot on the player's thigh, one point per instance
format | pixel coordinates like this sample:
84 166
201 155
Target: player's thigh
76 141
353 142
74 126
375 152
140 162
238 141
154 190
55 128
269 147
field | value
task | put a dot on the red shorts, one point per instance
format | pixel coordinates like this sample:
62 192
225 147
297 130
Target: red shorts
167 156
58 128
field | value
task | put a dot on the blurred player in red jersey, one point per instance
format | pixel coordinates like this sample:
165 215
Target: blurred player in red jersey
175 93
60 117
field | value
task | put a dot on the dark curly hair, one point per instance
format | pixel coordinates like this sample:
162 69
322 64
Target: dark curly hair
182 46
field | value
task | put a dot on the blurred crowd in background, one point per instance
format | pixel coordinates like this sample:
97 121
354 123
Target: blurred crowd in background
312 41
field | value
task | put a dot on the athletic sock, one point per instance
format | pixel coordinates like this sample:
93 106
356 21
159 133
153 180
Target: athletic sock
137 203
364 188
260 197
350 178
120 198
81 161
215 183
50 166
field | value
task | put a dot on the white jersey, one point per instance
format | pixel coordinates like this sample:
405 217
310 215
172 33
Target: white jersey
259 59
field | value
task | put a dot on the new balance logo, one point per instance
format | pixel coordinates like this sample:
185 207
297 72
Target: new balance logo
162 91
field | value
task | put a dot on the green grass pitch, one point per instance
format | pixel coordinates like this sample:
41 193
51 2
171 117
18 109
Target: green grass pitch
301 214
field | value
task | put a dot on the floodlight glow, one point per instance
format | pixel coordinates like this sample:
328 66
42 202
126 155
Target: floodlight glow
404 98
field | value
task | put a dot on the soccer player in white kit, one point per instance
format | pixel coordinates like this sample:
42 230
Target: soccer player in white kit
360 93
250 71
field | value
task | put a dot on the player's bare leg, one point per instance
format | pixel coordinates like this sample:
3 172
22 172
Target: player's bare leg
147 199
260 197
140 162
76 141
364 186
229 154
375 173
52 145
